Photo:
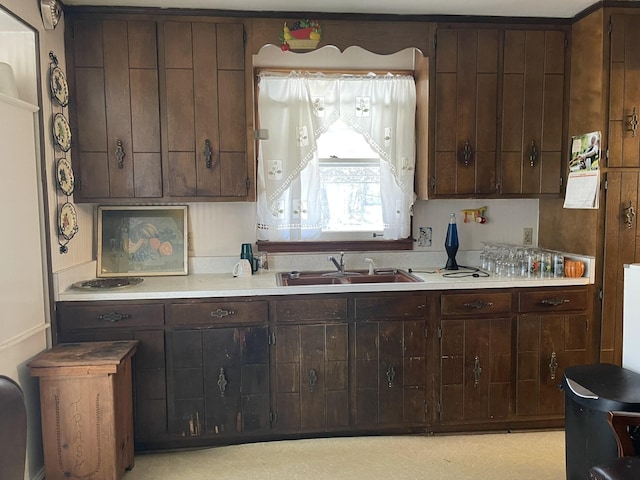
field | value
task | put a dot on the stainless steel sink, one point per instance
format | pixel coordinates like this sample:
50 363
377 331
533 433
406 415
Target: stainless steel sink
290 279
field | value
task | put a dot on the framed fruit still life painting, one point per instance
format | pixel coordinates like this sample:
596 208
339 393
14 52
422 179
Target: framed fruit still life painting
142 241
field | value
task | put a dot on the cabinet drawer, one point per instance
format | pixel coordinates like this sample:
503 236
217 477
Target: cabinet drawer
310 310
213 313
553 300
475 303
116 315
400 306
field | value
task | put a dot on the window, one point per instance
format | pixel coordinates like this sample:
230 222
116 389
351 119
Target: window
338 160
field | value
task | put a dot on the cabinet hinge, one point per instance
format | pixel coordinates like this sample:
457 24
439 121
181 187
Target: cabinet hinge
248 183
439 332
438 408
273 417
426 332
433 183
600 294
435 41
610 28
272 338
426 408
606 185
566 42
586 325
561 181
244 36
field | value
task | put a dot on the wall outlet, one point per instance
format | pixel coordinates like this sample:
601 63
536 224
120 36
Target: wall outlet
527 236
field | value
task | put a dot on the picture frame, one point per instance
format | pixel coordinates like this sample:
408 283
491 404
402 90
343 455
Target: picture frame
142 240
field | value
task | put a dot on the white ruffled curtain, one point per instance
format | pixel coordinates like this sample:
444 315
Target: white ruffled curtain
295 109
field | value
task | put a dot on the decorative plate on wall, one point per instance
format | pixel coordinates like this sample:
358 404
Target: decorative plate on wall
68 221
64 175
62 132
58 86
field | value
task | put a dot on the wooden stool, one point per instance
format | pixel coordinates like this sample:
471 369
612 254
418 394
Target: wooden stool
87 409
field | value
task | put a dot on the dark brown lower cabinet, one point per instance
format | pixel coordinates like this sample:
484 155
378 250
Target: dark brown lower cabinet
311 379
220 381
101 321
389 361
475 357
219 368
553 336
475 370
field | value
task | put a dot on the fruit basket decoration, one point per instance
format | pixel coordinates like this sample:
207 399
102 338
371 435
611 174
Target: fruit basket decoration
302 35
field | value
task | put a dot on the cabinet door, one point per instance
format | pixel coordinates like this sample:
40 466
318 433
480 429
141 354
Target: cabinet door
221 381
624 102
116 147
475 370
621 246
547 344
466 111
205 109
532 111
311 384
80 323
390 373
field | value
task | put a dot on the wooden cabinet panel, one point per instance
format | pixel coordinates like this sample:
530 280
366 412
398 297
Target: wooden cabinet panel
466 111
475 303
77 322
398 306
475 370
221 381
332 308
547 344
564 299
625 91
312 380
205 104
117 120
220 312
532 111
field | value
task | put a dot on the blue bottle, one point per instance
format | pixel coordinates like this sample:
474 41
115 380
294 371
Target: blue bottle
451 243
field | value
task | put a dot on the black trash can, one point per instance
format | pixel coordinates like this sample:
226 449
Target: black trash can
591 391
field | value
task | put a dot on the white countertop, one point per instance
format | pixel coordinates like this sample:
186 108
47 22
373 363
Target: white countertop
224 285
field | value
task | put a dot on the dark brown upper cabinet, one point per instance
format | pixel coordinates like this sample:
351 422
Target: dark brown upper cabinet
499 111
624 103
466 111
115 115
204 100
532 111
158 109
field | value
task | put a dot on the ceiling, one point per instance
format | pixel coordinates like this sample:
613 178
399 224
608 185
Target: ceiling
506 8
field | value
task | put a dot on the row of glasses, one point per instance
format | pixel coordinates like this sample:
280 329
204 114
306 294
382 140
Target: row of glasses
519 261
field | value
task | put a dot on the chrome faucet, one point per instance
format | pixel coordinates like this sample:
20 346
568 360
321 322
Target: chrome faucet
340 265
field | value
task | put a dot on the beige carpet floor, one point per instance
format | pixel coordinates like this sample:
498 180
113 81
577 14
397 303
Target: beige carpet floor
504 456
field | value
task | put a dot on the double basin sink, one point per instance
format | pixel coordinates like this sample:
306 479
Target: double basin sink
290 279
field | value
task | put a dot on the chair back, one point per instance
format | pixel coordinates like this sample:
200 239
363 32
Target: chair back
13 430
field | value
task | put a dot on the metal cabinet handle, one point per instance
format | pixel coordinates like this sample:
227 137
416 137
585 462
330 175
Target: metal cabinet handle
119 154
467 153
477 370
478 304
554 302
113 317
207 153
533 154
219 313
553 365
391 374
629 214
313 379
633 122
222 382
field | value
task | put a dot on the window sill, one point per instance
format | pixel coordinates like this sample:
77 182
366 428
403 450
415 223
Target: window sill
344 246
